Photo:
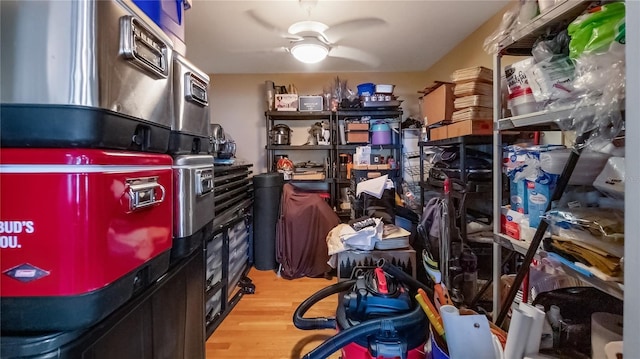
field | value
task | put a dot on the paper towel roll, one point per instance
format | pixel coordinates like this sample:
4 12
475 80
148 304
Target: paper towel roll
535 333
518 334
605 328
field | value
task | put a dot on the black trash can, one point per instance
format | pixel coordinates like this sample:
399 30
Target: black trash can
266 209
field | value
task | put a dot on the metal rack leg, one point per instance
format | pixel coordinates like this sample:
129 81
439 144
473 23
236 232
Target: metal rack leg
497 183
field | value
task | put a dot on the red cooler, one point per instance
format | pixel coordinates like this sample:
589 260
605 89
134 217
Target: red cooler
81 232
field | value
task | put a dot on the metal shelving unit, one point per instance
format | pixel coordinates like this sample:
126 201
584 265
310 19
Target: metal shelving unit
632 210
520 43
332 181
512 244
395 150
521 40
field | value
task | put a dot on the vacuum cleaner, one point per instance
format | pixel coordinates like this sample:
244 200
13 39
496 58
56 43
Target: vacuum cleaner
377 317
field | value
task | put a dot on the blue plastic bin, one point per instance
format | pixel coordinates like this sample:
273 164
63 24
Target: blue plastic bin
167 14
366 89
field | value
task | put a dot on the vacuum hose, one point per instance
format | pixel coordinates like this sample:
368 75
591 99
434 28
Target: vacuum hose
404 277
322 322
337 342
399 323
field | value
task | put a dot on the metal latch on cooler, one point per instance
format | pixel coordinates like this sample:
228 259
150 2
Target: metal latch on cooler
204 181
195 89
144 192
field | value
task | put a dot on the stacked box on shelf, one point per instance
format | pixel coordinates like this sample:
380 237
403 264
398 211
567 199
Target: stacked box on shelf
437 108
473 102
357 132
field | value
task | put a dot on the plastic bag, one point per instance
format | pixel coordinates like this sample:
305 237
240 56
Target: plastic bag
596 30
551 45
551 78
597 47
604 223
521 14
598 98
509 22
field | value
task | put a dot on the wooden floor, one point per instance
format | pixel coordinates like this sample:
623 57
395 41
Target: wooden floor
261 326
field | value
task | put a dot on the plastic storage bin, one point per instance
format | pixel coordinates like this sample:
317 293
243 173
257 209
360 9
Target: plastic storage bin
587 169
214 261
386 89
523 102
169 16
366 89
213 307
380 133
611 180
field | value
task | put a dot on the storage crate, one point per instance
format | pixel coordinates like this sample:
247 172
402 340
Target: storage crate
473 101
213 307
358 137
473 113
351 262
473 88
358 126
214 261
473 74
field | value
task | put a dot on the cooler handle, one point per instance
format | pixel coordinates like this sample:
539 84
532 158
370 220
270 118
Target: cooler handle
140 45
195 90
204 182
143 193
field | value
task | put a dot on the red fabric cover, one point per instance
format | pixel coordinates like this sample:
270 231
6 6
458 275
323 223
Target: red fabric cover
305 220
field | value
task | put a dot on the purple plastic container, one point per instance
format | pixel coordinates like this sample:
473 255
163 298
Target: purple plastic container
380 133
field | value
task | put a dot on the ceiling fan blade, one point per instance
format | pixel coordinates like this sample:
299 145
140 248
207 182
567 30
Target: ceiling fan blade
271 27
354 54
336 32
275 50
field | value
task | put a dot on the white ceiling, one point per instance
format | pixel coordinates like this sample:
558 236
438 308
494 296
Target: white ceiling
222 38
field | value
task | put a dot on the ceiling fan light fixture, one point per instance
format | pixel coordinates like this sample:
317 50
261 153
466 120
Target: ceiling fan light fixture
310 52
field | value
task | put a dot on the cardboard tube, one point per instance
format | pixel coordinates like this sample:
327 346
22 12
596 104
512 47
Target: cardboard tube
518 334
535 334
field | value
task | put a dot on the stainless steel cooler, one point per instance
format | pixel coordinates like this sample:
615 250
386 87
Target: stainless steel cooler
85 73
193 203
190 125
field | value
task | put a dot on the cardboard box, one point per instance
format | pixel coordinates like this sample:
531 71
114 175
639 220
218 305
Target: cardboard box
470 127
438 133
437 103
540 193
511 222
357 126
349 262
519 195
310 103
286 102
358 137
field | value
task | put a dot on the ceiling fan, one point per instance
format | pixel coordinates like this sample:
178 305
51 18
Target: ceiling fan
312 41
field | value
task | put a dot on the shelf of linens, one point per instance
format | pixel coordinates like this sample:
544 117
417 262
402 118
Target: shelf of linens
610 287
